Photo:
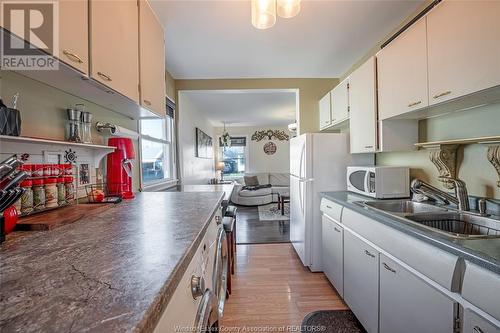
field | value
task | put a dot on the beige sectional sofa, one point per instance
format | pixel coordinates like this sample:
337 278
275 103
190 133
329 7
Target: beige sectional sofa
280 184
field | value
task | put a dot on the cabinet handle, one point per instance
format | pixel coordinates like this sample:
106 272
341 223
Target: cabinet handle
368 253
73 56
217 219
478 329
329 207
335 228
389 268
368 147
414 103
104 76
147 102
442 94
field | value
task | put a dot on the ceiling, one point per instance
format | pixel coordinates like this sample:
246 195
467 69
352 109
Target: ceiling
215 38
257 107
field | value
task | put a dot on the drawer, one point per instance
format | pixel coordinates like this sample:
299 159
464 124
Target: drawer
436 264
474 323
481 287
331 209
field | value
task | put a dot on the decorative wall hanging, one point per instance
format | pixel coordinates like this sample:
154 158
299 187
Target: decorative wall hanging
270 134
204 148
70 156
270 148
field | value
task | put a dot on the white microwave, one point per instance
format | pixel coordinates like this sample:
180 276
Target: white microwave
379 181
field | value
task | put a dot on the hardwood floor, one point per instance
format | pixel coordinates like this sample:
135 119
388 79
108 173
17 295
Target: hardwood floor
251 230
271 288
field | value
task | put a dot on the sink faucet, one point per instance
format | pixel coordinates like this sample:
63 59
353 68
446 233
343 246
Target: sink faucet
461 198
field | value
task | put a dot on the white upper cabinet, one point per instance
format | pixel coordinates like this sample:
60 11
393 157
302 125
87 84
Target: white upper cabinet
463 48
114 45
340 102
402 73
325 111
363 108
152 60
74 36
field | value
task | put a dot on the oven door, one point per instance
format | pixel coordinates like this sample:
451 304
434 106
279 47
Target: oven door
358 180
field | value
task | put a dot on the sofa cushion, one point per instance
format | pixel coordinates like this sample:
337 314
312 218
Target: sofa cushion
263 177
256 193
279 179
251 181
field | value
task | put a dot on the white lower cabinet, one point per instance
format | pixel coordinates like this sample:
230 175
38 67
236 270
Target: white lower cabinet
474 323
333 253
409 304
361 274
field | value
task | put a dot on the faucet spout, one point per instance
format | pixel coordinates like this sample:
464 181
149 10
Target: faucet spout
461 198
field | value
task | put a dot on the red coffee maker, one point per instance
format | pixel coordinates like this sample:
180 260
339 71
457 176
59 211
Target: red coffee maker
119 168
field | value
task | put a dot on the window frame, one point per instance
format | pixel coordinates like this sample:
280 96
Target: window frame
247 150
164 183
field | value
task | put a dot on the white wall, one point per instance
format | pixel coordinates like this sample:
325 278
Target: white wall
258 161
194 170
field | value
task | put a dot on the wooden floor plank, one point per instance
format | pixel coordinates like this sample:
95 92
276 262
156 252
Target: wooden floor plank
271 288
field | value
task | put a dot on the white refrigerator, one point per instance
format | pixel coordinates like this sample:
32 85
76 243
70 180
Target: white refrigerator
318 163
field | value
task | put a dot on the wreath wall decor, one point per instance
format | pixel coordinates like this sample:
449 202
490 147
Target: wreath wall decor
270 148
270 134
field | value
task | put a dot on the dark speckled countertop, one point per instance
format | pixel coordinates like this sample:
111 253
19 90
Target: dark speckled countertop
483 252
110 272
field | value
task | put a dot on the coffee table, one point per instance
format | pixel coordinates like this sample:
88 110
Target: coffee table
282 200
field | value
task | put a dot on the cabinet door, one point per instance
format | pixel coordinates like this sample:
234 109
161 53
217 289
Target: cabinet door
474 323
73 34
325 115
340 102
464 48
152 60
402 73
363 108
115 45
408 304
333 257
361 280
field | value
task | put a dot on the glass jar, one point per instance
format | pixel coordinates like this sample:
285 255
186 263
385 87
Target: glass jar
70 189
38 194
27 197
37 170
61 191
50 192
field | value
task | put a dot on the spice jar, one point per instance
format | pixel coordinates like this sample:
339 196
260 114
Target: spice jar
70 189
17 206
27 197
50 192
38 194
61 191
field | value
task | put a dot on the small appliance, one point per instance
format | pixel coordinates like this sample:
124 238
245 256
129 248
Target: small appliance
119 168
381 182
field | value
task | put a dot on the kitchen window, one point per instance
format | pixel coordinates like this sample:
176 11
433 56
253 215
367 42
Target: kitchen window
234 157
157 145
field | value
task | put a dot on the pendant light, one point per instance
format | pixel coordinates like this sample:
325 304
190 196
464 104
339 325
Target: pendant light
288 8
225 137
263 13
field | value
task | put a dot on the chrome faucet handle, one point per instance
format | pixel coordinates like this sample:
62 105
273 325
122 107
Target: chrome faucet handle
460 192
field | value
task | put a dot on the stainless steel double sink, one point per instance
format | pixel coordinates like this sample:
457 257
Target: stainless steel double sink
442 219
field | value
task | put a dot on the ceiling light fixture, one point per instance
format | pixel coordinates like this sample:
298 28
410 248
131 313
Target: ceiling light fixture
263 13
288 8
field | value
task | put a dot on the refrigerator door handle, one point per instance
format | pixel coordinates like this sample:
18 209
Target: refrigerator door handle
301 160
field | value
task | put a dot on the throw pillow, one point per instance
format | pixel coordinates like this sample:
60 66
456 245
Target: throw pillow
251 181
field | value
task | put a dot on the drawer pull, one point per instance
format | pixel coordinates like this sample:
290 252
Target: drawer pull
73 56
478 329
389 268
368 147
147 102
368 253
217 219
335 228
104 76
442 94
329 207
414 103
